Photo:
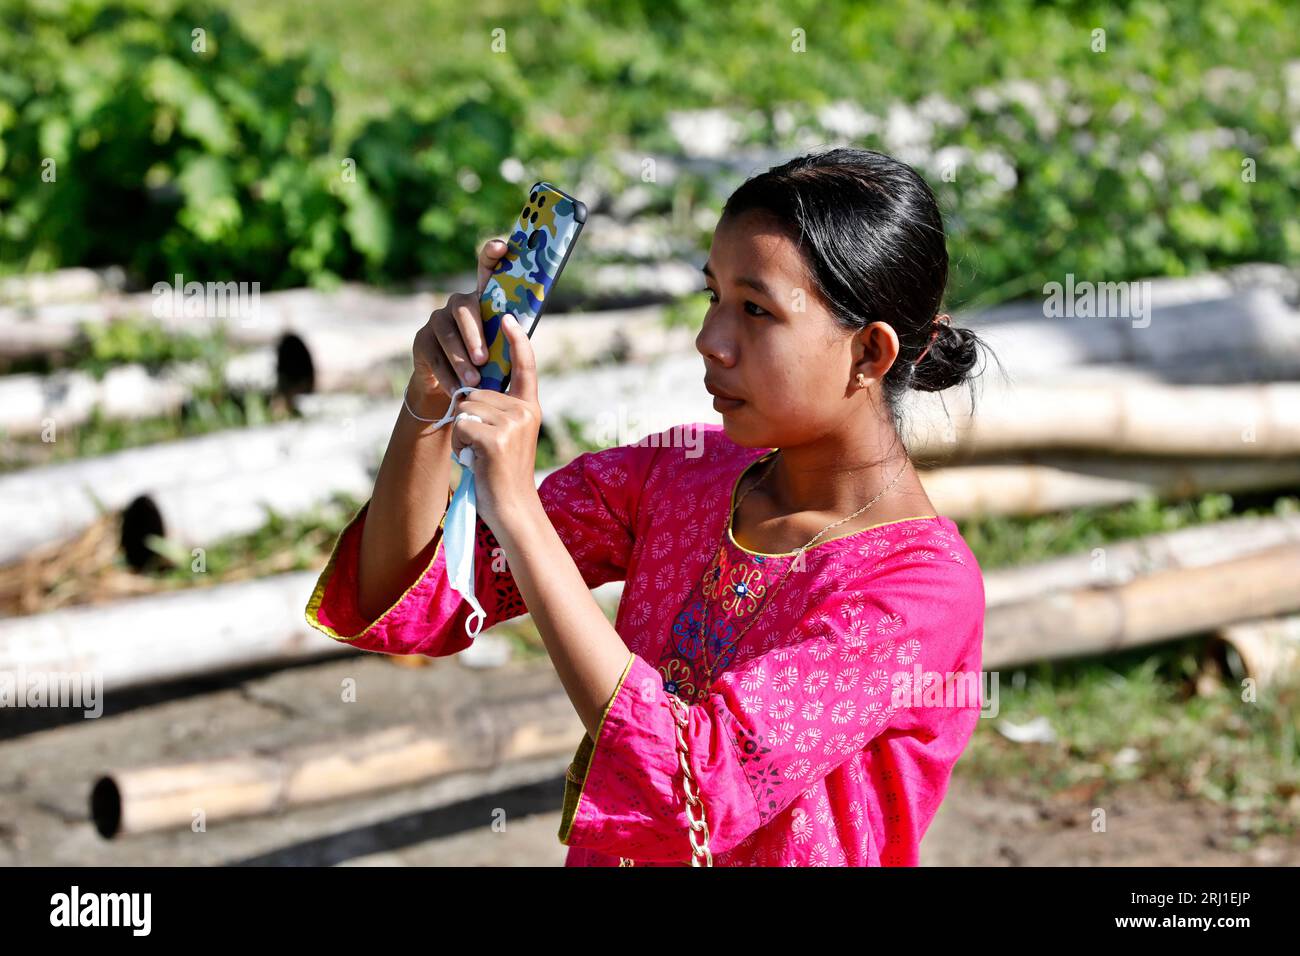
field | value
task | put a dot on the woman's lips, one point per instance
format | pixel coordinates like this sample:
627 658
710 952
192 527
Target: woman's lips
722 402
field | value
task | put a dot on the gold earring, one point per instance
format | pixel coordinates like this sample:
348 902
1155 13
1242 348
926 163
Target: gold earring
862 380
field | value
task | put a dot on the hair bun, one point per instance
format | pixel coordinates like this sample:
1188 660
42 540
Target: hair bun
948 360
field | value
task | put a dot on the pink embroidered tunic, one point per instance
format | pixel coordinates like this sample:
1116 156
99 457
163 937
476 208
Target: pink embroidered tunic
824 735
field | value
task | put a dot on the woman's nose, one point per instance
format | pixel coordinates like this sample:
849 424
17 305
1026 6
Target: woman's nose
711 344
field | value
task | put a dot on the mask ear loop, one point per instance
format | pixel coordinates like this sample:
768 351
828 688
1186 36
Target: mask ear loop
466 456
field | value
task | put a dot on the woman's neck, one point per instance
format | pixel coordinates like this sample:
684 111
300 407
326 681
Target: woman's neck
766 521
828 478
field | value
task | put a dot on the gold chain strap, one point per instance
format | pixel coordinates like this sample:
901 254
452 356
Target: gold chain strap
699 827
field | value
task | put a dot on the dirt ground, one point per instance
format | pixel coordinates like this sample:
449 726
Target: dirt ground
48 764
990 824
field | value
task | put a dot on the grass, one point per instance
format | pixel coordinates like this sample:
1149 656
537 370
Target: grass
1006 541
212 405
1165 714
208 410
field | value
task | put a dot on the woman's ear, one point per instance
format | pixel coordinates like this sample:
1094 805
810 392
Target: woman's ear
874 350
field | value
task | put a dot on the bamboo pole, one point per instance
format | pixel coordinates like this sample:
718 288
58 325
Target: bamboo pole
1112 409
1232 421
162 637
60 285
30 403
1149 609
1269 648
343 355
352 310
478 737
1061 483
1183 340
1117 562
1251 421
316 356
27 330
55 502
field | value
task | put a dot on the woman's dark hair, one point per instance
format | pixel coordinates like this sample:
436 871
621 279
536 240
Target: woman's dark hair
870 231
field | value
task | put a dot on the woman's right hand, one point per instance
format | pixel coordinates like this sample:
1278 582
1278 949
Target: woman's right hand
451 343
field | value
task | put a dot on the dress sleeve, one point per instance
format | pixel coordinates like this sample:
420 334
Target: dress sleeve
860 664
593 503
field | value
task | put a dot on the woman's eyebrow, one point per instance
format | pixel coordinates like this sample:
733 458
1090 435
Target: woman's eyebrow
758 285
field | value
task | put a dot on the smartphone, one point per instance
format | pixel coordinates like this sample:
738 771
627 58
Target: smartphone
538 247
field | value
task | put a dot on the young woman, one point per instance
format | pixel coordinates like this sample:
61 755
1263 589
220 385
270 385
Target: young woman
794 668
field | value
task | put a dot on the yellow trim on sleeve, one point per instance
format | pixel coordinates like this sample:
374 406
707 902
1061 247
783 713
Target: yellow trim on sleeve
318 593
582 763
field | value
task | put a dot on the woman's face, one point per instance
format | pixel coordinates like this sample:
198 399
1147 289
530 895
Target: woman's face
771 342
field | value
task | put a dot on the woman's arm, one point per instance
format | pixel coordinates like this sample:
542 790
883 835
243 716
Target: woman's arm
410 492
589 655
407 505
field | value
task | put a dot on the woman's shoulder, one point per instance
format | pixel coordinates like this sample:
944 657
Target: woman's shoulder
682 465
928 554
918 570
696 448
700 448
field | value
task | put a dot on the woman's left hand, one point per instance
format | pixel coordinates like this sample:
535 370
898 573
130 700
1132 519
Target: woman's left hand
505 441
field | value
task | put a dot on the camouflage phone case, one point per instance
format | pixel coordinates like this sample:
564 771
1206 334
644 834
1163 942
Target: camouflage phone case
539 246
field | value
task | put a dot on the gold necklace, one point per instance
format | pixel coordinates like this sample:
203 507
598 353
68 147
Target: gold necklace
704 644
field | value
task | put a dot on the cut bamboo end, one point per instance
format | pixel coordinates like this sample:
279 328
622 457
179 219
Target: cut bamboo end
1269 648
479 737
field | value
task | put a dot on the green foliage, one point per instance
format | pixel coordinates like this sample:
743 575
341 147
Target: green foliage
138 341
1117 164
1002 541
161 137
686 312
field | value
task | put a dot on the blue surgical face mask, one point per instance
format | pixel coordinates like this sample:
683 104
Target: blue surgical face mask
458 540
460 525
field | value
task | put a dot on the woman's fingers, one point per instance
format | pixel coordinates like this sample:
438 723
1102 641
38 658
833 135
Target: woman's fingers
452 343
493 409
469 323
470 427
523 362
446 328
488 257
430 360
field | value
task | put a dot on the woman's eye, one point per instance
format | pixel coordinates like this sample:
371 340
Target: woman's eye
752 308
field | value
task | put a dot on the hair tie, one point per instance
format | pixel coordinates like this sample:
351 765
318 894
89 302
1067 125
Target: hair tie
946 319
